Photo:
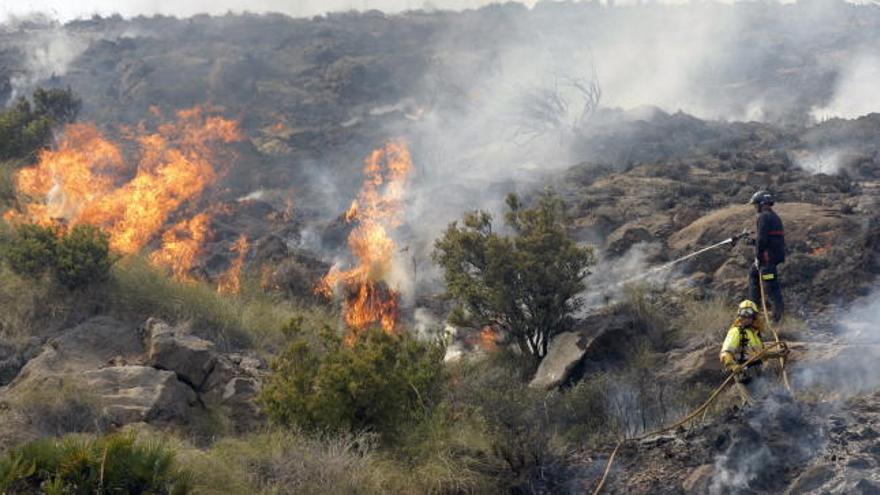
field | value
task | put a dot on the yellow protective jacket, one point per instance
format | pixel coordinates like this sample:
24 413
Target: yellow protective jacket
740 344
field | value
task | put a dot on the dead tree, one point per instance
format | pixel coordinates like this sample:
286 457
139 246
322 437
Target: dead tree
560 108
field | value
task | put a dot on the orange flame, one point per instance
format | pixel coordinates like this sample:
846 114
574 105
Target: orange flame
83 180
819 251
488 340
230 281
378 209
181 244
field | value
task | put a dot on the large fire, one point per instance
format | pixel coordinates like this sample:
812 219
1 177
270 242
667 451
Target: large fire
369 298
88 179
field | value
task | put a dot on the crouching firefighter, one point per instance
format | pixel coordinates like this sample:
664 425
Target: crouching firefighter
769 253
742 343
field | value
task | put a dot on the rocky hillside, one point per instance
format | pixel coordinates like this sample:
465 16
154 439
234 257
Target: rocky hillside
351 141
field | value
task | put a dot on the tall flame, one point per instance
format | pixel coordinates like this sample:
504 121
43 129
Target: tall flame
369 299
181 244
87 179
230 281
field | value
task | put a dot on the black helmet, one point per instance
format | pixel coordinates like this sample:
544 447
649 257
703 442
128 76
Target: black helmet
762 198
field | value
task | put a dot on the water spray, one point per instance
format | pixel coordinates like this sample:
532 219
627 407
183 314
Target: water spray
731 240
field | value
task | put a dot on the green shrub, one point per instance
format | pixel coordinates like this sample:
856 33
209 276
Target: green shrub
82 257
115 463
378 382
31 250
76 258
25 128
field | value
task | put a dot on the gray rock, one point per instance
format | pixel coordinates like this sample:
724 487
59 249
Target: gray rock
563 354
89 345
131 394
240 389
698 480
190 357
811 479
866 487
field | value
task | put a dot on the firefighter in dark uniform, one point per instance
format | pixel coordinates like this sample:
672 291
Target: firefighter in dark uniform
769 254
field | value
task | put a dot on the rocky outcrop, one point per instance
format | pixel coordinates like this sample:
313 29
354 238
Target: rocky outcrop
157 373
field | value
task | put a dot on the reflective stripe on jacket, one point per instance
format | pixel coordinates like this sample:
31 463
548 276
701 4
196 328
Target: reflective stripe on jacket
741 343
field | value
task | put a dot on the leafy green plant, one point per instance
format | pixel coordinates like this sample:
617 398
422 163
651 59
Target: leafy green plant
378 382
82 257
27 127
31 249
115 463
76 258
526 283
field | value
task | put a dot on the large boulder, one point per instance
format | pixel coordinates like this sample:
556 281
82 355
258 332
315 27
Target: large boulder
133 394
563 353
90 345
587 342
170 348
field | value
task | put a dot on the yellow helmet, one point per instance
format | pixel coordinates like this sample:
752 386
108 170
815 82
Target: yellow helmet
747 308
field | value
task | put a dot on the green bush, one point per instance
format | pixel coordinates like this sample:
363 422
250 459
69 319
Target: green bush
378 382
25 128
31 249
76 258
116 463
82 257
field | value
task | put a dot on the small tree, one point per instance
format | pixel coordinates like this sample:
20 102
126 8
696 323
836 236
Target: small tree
526 283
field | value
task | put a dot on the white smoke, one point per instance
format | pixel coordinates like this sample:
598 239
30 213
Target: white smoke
65 10
855 93
824 161
608 281
47 53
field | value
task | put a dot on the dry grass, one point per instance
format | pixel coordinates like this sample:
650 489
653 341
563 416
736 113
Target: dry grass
705 321
60 410
252 319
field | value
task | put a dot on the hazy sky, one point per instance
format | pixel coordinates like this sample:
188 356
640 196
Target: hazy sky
65 10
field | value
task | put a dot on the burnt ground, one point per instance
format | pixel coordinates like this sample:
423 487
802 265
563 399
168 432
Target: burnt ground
781 446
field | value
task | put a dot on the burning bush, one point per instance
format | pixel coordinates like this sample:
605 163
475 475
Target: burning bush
378 210
75 258
378 382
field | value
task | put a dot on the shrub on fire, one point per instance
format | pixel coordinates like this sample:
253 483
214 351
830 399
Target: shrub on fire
376 383
75 258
